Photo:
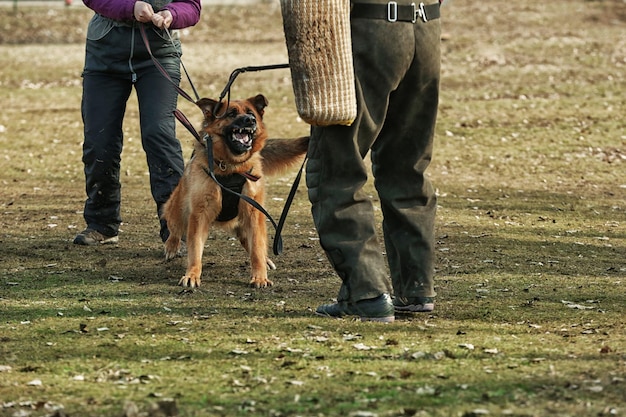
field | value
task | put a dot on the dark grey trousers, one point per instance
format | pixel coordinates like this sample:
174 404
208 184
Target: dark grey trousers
114 65
397 67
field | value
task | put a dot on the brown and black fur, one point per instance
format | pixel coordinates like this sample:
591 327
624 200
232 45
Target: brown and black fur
240 145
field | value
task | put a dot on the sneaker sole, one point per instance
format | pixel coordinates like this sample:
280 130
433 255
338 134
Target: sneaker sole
84 242
413 308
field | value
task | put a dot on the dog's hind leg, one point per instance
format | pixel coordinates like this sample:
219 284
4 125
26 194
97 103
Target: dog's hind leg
269 263
175 225
172 247
174 244
244 242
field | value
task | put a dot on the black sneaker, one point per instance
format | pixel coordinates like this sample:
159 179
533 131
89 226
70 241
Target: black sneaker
91 237
413 305
374 309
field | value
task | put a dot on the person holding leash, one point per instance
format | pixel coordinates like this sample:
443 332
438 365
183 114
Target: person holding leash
116 60
396 55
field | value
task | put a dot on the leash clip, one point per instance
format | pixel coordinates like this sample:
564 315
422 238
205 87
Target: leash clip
392 11
421 12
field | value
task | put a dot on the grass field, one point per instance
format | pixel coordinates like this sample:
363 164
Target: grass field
529 165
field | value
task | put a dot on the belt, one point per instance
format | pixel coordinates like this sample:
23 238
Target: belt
393 12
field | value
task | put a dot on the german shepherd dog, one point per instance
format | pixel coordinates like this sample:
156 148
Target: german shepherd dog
243 155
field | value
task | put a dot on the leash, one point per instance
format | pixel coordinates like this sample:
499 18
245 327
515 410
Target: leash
277 247
207 140
157 64
233 77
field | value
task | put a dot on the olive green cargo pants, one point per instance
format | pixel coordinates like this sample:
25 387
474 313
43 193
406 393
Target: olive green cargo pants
397 67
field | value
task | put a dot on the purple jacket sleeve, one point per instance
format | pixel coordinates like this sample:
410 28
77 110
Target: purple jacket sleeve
185 13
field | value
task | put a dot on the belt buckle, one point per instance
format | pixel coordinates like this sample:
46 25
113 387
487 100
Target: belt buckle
392 11
419 12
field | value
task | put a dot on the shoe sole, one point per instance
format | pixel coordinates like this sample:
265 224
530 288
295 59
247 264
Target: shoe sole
84 242
413 308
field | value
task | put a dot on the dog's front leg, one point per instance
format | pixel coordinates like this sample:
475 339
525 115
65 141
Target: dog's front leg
197 234
257 248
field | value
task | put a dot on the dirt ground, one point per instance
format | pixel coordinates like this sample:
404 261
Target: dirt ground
532 108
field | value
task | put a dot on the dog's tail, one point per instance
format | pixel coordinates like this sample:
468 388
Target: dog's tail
281 154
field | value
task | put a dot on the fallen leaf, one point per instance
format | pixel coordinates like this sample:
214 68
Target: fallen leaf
605 349
576 306
361 346
477 412
418 355
238 383
425 390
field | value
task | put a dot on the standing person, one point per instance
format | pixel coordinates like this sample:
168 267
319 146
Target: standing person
116 60
396 55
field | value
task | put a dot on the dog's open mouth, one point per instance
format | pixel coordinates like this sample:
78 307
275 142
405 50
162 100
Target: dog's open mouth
240 139
243 136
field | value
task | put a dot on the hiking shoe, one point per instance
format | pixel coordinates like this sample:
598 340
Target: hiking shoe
91 237
413 305
374 309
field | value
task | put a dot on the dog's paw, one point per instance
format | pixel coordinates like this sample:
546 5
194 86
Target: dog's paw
258 282
189 281
175 251
270 264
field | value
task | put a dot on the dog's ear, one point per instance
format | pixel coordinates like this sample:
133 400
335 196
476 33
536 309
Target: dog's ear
259 102
208 107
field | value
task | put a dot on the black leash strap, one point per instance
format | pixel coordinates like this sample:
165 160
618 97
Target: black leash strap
277 247
233 77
